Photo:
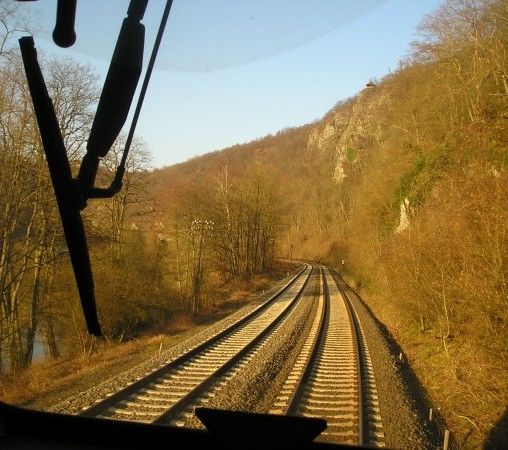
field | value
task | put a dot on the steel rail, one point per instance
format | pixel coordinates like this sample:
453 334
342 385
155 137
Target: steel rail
355 327
317 342
320 384
138 384
372 428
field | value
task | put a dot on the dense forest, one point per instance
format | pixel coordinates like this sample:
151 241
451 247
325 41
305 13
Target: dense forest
402 187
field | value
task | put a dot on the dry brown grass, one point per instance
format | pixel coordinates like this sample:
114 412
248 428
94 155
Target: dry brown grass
469 387
180 322
238 296
53 375
64 373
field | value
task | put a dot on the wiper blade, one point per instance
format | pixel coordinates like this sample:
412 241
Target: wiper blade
118 91
66 190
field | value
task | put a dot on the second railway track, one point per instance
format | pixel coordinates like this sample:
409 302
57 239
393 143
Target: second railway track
332 377
162 395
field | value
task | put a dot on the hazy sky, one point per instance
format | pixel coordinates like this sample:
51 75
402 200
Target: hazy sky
234 70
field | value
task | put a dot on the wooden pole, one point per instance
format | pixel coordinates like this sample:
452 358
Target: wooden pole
446 441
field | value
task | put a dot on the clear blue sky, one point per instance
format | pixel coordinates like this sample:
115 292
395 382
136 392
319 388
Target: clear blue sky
234 70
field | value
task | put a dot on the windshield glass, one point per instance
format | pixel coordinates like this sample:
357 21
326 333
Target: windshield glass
311 221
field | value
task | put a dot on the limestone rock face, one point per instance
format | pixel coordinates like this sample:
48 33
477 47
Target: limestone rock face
323 138
349 131
404 216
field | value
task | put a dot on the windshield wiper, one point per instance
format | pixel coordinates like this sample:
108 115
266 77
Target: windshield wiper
66 190
116 98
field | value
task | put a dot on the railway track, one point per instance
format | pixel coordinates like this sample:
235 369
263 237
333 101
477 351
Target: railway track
332 377
373 434
163 395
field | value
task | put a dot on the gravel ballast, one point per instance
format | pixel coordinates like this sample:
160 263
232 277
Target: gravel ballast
254 386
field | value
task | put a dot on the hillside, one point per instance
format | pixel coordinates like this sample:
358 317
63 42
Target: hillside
406 183
281 153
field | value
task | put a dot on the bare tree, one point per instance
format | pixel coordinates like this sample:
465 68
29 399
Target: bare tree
132 202
12 21
31 239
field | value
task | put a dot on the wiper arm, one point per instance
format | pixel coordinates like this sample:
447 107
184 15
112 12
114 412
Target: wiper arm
66 190
115 101
114 104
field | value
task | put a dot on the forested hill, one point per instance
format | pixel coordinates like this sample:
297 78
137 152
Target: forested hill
407 183
403 187
276 154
